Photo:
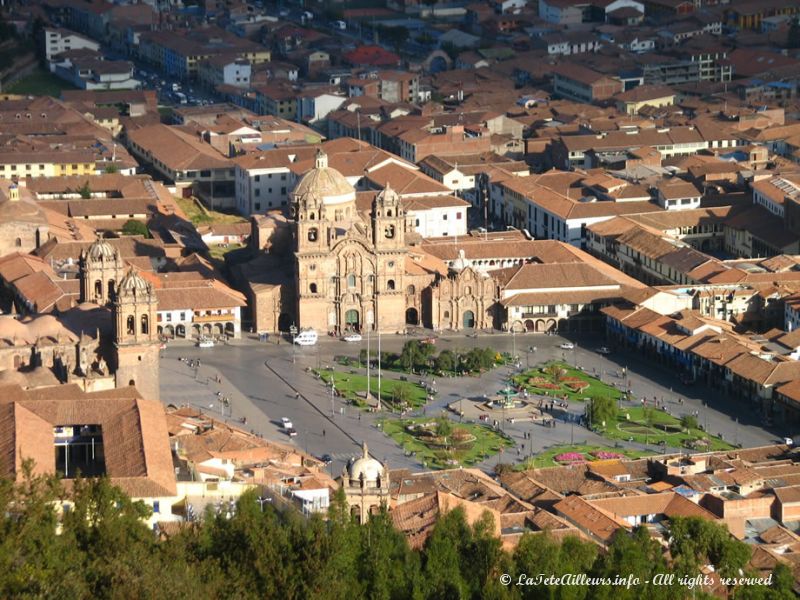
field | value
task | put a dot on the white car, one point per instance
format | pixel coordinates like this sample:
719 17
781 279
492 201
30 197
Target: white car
352 337
566 346
205 343
285 420
604 350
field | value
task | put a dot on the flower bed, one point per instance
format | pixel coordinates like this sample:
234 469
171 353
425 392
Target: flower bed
570 457
577 386
603 455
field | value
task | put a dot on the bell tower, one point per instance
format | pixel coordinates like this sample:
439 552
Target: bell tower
388 220
136 343
101 269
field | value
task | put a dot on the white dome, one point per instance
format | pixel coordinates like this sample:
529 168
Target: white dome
325 184
366 468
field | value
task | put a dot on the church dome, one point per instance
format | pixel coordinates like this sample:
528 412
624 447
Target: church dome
101 250
15 208
134 283
366 468
325 183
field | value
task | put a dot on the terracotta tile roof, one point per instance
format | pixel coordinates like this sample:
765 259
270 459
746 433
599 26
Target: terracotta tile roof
587 517
136 451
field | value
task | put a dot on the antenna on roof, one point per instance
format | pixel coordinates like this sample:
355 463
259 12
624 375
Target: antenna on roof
358 123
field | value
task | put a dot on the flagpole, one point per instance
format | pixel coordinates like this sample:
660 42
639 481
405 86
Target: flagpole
379 367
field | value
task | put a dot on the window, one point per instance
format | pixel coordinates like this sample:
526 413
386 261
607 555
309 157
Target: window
169 317
183 316
447 314
18 242
390 264
390 285
312 234
205 173
411 290
312 288
258 205
444 217
458 216
257 177
416 223
131 325
389 232
258 192
351 281
156 506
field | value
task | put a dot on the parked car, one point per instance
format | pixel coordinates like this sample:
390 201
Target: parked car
566 346
290 431
205 343
604 350
285 420
326 459
352 337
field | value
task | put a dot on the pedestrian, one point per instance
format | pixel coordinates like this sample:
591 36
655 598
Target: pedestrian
297 395
323 433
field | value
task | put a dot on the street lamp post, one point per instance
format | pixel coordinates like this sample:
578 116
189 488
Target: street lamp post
293 332
333 392
514 342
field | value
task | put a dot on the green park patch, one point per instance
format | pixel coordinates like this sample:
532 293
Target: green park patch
441 443
558 379
568 454
395 395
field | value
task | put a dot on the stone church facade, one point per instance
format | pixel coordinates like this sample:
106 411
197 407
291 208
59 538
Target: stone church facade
350 264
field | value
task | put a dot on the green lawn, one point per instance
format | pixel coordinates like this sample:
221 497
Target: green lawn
547 457
661 428
219 251
353 386
595 389
487 442
40 83
199 217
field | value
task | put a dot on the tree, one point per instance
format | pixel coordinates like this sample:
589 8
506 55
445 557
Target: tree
396 36
410 355
638 555
444 429
446 361
604 411
793 37
696 541
134 227
401 393
555 372
85 190
110 169
689 422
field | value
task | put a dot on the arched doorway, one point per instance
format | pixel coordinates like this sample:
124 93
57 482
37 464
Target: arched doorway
539 326
468 319
284 322
529 326
351 319
218 329
196 330
180 331
412 316
207 329
169 332
230 329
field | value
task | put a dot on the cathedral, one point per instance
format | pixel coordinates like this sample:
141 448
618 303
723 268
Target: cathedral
349 262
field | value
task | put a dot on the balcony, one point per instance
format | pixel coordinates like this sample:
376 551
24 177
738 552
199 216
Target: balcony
213 319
